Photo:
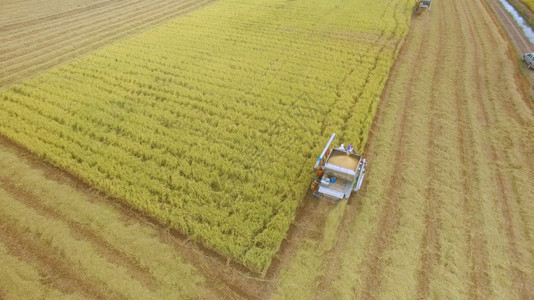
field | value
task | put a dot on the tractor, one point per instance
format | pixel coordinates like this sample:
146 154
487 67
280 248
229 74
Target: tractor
422 5
338 173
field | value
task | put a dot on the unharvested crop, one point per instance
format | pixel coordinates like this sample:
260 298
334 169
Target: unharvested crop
210 123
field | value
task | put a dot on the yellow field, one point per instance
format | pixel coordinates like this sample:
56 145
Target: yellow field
529 3
210 133
446 211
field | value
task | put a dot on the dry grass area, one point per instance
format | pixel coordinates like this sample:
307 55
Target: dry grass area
59 239
447 210
39 35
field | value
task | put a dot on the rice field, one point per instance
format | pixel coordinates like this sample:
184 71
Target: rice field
210 133
127 172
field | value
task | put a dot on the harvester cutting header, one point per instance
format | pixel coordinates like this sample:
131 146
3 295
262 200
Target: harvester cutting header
338 172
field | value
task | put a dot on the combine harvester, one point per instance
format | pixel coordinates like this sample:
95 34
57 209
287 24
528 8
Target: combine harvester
422 5
338 172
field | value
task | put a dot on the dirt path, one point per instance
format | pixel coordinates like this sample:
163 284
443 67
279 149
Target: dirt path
57 32
517 36
518 39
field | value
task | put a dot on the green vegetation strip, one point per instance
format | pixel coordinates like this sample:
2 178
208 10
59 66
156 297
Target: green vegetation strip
529 3
209 123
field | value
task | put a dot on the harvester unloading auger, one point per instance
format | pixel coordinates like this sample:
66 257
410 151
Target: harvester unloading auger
422 5
338 172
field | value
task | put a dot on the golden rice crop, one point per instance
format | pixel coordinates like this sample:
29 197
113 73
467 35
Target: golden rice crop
211 123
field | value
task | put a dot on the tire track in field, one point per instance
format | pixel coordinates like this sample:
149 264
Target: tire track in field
79 231
53 269
430 245
477 252
524 285
502 185
389 219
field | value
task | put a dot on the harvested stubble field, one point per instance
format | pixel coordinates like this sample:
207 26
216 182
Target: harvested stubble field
39 35
446 212
448 207
59 238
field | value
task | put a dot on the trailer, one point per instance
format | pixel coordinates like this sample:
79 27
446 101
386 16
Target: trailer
338 173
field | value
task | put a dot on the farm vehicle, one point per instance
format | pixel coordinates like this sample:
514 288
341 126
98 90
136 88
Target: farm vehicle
338 173
528 58
422 5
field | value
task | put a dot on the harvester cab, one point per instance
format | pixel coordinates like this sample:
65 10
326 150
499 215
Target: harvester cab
338 173
422 5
